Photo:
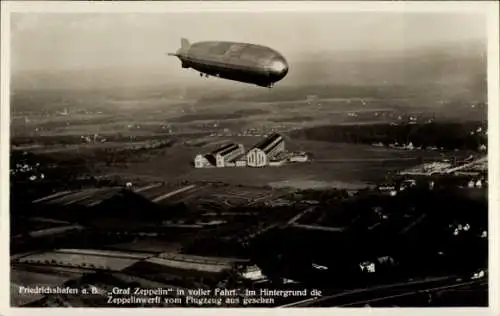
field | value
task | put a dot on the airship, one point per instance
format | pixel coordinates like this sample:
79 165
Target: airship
243 62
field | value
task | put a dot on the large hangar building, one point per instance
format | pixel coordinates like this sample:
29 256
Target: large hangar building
261 154
220 157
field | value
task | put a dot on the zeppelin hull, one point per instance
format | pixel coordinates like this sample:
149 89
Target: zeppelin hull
242 62
255 75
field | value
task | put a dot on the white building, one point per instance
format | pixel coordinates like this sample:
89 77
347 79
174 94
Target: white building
241 161
388 189
261 154
299 157
201 161
252 272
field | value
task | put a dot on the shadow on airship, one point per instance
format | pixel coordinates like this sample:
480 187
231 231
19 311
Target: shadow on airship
243 62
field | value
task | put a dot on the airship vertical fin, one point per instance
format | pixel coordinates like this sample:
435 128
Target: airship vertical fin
184 44
184 48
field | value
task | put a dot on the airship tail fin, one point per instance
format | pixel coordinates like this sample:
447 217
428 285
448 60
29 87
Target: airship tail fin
184 47
185 44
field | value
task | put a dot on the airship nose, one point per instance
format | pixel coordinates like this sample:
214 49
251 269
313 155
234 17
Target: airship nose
278 67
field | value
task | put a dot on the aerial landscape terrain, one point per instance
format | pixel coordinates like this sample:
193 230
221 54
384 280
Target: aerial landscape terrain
381 198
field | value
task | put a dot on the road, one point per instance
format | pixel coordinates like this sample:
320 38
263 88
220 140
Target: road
467 165
170 194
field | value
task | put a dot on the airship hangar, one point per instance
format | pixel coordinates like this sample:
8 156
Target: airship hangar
243 62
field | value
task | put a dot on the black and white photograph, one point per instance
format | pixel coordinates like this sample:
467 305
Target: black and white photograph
248 158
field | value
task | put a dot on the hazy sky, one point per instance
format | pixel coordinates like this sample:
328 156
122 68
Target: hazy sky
71 41
129 49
